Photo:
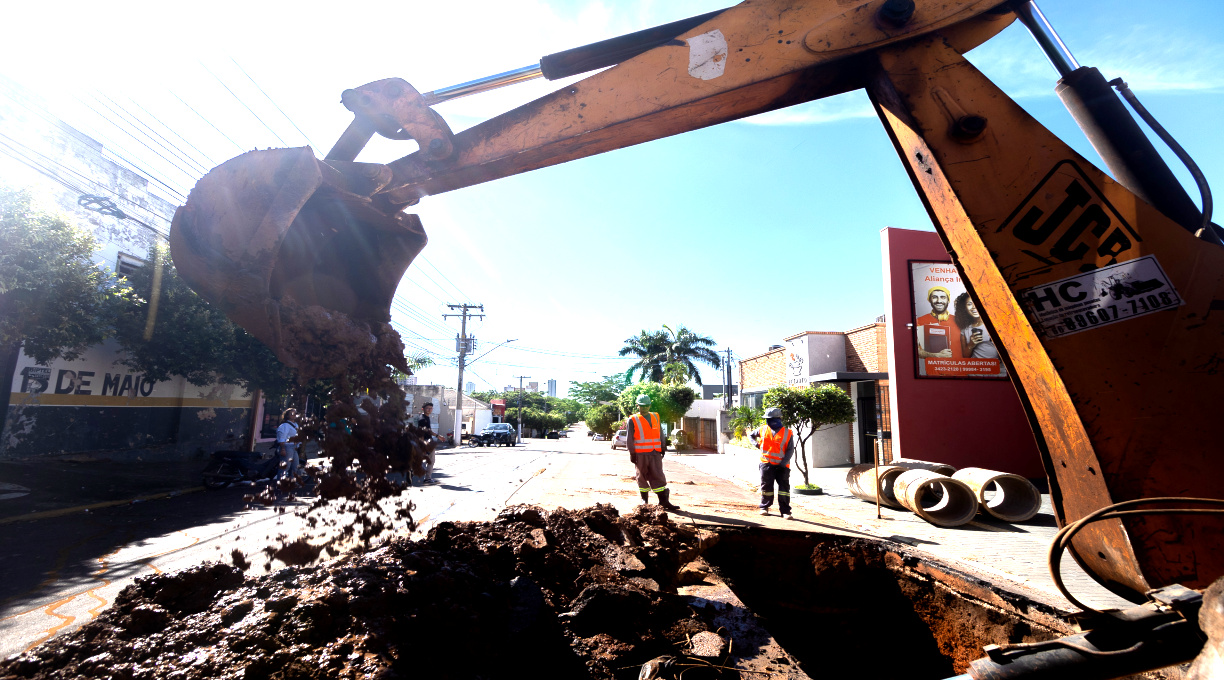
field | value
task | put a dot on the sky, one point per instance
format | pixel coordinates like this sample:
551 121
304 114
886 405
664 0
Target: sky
747 232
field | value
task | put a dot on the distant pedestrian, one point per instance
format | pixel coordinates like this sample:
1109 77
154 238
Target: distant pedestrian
425 421
647 446
777 445
286 449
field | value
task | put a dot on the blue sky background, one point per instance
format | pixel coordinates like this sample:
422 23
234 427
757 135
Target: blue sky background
748 232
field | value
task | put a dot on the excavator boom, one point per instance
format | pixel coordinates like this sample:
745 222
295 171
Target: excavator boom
1107 308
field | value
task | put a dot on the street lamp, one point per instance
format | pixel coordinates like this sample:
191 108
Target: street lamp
487 353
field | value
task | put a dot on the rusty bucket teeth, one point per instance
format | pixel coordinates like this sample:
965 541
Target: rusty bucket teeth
282 244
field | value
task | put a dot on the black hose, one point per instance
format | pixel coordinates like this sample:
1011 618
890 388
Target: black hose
1206 231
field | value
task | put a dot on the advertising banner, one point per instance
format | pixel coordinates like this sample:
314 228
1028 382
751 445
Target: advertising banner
499 407
951 337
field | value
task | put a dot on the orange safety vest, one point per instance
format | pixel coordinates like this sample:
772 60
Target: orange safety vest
773 446
647 438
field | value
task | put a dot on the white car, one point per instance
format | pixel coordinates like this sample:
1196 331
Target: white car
621 440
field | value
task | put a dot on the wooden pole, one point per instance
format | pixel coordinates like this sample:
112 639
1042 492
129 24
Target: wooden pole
877 478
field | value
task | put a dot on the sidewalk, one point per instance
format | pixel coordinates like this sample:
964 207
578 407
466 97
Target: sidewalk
998 550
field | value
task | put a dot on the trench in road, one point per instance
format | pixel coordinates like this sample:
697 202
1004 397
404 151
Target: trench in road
84 602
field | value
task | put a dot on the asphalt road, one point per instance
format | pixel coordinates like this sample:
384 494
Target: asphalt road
58 573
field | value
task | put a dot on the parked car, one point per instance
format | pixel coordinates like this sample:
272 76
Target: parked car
620 440
599 438
499 433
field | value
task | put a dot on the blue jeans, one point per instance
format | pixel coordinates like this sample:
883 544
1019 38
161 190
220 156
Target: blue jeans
291 468
771 474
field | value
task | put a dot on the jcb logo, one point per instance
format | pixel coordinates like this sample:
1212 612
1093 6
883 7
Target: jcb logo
1067 219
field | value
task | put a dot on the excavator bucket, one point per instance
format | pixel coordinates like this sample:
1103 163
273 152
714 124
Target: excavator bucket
296 251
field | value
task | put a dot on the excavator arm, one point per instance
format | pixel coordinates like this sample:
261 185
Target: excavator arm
1109 311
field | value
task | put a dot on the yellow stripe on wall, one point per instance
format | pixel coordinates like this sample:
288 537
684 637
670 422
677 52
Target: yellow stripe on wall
44 399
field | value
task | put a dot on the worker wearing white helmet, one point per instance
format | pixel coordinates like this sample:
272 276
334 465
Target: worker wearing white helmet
777 445
647 446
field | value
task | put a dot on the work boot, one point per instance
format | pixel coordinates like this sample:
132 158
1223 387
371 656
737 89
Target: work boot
664 503
645 498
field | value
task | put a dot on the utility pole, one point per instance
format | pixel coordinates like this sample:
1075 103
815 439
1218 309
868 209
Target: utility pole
727 382
463 344
520 406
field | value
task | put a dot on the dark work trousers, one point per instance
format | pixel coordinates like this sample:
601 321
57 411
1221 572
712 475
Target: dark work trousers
781 475
650 472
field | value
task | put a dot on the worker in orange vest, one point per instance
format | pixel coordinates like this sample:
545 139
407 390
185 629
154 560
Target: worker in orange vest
777 445
647 446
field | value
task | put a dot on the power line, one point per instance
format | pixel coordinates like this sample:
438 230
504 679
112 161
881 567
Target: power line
114 149
17 155
278 108
244 105
110 119
163 143
186 141
54 121
210 123
462 295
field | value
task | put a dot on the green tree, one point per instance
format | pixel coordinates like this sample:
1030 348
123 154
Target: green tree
656 350
602 419
592 393
53 296
810 410
744 419
164 329
650 348
671 402
686 348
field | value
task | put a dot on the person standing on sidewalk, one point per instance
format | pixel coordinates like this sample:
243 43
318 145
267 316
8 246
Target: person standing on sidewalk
286 449
647 446
777 445
426 423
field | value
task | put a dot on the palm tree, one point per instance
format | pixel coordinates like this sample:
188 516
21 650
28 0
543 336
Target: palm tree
685 347
650 347
656 349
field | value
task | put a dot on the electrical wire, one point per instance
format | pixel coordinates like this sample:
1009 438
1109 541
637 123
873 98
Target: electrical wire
198 150
273 102
42 168
462 295
196 166
18 97
1063 538
210 123
244 105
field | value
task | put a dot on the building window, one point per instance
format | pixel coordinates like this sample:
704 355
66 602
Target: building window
754 400
126 264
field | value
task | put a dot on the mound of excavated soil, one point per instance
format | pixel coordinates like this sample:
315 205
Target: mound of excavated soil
561 594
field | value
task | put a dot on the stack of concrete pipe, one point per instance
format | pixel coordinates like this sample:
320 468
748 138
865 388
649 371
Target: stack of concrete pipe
943 496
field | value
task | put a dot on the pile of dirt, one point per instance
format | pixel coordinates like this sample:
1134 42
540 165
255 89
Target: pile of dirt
571 594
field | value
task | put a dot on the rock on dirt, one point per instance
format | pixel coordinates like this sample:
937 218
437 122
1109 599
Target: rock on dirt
564 594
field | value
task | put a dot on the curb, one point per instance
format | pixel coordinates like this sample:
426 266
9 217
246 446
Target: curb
93 506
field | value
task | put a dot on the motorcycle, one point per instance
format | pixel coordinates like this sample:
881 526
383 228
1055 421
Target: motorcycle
229 467
481 439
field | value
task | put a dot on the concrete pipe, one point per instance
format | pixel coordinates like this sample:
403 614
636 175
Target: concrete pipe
861 482
939 499
941 468
1008 497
